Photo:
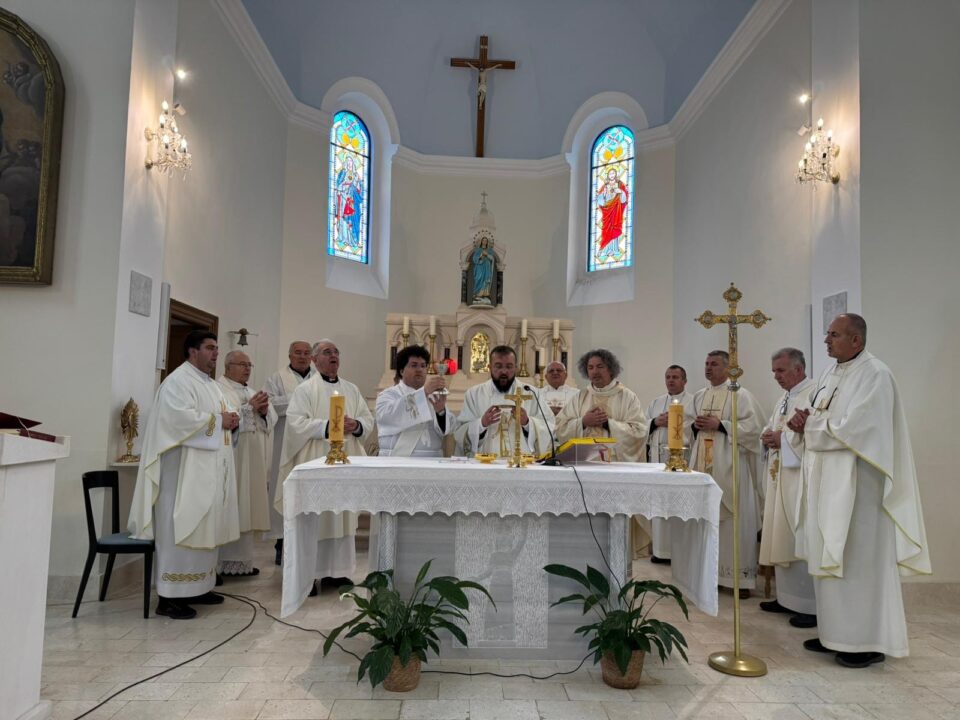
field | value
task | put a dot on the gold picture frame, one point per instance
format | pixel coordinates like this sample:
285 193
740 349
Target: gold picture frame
31 131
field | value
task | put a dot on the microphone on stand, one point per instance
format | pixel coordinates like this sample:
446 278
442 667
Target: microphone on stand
552 460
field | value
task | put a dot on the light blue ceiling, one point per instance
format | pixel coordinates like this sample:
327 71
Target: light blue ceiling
566 51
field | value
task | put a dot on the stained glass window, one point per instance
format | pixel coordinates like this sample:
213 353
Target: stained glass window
611 200
349 195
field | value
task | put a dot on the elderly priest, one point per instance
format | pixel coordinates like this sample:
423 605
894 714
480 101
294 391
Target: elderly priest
485 420
254 443
863 517
307 438
412 417
186 492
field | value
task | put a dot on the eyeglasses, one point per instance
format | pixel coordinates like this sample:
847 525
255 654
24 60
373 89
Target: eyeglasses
243 365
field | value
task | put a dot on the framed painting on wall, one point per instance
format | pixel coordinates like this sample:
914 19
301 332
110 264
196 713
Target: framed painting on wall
31 126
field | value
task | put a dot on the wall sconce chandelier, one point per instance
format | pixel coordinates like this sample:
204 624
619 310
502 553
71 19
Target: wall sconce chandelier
818 158
167 148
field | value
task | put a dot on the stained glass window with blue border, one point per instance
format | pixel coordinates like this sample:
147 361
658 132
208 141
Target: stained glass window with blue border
348 230
611 200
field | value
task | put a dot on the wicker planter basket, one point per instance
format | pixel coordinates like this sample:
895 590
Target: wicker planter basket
404 678
611 673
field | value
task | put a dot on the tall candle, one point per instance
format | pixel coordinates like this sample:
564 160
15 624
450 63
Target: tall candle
406 324
523 328
337 412
556 329
675 426
543 356
433 325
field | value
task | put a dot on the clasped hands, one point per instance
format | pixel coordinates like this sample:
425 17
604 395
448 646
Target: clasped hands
231 421
771 439
260 403
595 417
706 422
492 416
799 420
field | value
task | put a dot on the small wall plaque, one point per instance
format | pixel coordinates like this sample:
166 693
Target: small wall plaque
141 289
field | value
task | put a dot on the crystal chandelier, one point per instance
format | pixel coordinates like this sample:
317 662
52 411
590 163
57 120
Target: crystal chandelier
167 148
818 158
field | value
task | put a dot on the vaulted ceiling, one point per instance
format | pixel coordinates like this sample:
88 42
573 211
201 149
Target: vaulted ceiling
566 51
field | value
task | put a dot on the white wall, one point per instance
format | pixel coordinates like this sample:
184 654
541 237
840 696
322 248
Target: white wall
740 217
57 341
910 103
224 223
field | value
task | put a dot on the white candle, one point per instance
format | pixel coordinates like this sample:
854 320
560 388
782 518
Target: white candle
406 325
556 329
523 328
433 325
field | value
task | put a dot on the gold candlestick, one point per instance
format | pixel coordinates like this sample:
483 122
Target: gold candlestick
540 371
406 338
337 454
432 366
556 349
677 462
523 372
735 663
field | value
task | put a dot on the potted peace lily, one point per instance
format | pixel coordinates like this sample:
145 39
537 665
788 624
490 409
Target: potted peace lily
624 631
403 630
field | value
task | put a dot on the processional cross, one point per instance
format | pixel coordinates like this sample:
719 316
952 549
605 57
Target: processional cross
482 65
735 663
517 398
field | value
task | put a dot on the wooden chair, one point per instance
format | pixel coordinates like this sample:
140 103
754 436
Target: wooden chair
116 543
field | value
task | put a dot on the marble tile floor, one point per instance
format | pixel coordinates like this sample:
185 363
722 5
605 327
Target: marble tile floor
272 672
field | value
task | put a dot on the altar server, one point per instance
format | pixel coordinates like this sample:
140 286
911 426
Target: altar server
412 417
863 517
186 492
251 455
712 453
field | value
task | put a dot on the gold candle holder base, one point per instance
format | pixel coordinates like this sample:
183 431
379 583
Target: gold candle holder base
337 454
677 462
406 338
128 458
432 365
741 666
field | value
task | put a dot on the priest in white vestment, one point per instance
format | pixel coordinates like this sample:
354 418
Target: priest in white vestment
306 439
781 514
186 492
251 455
280 387
675 379
608 408
556 393
486 425
412 417
863 521
712 453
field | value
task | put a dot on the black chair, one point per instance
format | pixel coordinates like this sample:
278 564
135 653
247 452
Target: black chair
117 543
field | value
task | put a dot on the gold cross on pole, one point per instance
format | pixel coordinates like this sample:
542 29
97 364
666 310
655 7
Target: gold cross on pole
735 663
517 398
756 318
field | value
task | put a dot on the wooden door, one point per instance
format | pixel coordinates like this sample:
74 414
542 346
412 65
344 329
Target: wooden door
182 320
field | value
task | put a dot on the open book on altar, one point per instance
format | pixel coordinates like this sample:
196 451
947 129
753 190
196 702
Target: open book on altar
581 450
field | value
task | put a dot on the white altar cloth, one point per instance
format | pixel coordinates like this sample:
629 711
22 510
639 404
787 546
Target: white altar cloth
393 485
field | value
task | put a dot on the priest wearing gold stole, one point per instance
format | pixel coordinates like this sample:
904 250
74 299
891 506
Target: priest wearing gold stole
608 408
330 536
863 521
412 417
251 454
781 514
712 453
280 387
487 425
675 379
186 493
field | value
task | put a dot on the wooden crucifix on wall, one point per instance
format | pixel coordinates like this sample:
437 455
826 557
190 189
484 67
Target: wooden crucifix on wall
482 65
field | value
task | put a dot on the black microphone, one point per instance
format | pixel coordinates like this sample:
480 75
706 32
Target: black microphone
552 460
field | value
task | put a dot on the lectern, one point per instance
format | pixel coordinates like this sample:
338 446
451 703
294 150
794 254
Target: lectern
26 513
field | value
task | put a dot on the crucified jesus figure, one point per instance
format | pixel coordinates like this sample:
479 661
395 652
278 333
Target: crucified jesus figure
482 83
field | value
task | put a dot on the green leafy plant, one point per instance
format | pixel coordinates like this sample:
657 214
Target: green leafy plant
404 628
623 622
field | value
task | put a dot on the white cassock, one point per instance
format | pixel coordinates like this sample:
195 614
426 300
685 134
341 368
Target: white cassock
781 513
408 425
186 492
863 518
280 387
716 459
657 453
627 424
328 535
472 438
252 452
555 399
